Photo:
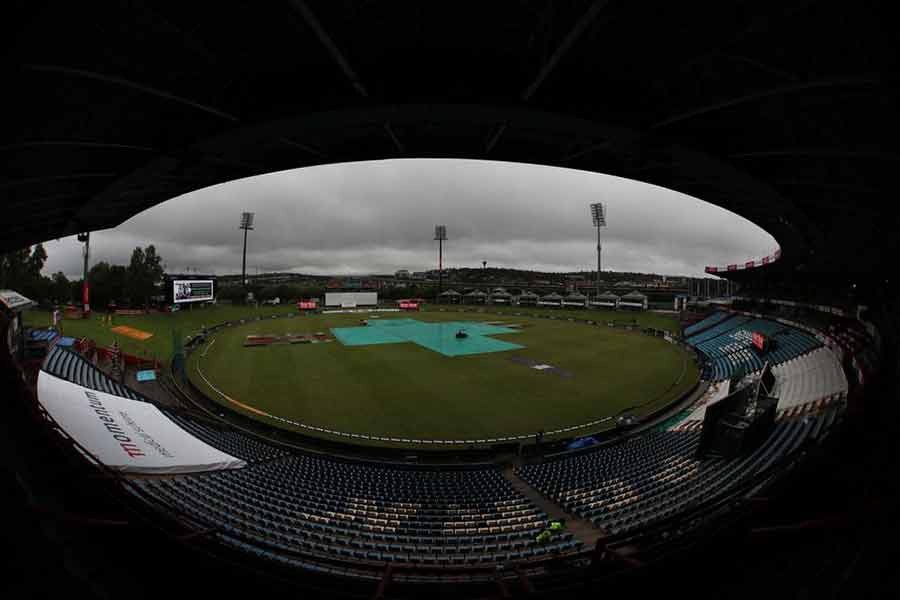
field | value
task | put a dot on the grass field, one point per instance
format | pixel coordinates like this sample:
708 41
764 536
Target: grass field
189 321
407 391
161 325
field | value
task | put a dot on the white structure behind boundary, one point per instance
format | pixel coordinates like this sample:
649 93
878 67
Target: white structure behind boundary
351 299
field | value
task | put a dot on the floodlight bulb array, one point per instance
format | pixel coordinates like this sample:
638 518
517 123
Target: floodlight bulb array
599 214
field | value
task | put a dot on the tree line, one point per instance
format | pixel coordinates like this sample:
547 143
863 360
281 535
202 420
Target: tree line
136 284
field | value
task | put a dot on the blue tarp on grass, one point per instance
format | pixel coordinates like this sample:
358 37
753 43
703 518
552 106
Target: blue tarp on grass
438 337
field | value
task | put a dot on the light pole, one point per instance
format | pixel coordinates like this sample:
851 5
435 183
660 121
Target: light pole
246 225
598 214
85 238
440 234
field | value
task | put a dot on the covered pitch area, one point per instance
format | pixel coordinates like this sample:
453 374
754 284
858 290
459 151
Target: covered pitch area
450 338
400 381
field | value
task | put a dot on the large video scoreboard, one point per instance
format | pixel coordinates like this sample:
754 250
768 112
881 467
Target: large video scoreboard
192 290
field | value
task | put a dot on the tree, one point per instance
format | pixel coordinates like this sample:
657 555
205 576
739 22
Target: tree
118 283
21 270
268 292
75 287
107 283
36 261
60 290
145 271
12 268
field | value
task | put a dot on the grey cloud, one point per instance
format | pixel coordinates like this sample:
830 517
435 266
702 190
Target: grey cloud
379 216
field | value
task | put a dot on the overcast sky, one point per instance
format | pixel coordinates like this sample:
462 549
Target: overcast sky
379 216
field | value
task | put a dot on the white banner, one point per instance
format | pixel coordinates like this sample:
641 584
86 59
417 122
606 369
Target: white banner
127 435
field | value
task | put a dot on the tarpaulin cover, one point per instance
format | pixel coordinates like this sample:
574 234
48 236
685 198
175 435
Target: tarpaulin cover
439 337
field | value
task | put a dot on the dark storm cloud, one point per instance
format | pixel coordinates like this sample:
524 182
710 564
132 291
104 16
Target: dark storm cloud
376 217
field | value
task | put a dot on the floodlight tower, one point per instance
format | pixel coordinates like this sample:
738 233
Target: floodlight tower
246 225
440 234
598 213
85 238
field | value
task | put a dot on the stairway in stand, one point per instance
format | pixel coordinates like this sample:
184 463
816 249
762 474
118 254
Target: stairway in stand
582 529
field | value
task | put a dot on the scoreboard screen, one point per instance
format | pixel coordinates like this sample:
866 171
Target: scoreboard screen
192 290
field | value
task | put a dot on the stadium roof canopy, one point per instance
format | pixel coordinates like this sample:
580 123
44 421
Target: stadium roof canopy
781 111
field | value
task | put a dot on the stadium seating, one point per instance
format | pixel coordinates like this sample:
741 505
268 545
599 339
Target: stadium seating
227 440
326 507
71 366
726 325
730 351
296 508
810 377
631 485
702 325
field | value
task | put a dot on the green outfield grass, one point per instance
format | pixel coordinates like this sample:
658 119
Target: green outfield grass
407 391
189 321
645 319
161 325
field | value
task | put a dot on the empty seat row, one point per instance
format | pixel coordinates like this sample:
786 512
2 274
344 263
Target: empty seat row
359 511
734 321
232 442
730 353
810 377
713 319
70 365
629 486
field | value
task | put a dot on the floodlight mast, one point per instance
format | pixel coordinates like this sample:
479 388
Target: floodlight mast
246 225
440 234
598 214
85 238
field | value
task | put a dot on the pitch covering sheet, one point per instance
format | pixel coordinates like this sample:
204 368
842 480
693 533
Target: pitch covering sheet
438 337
